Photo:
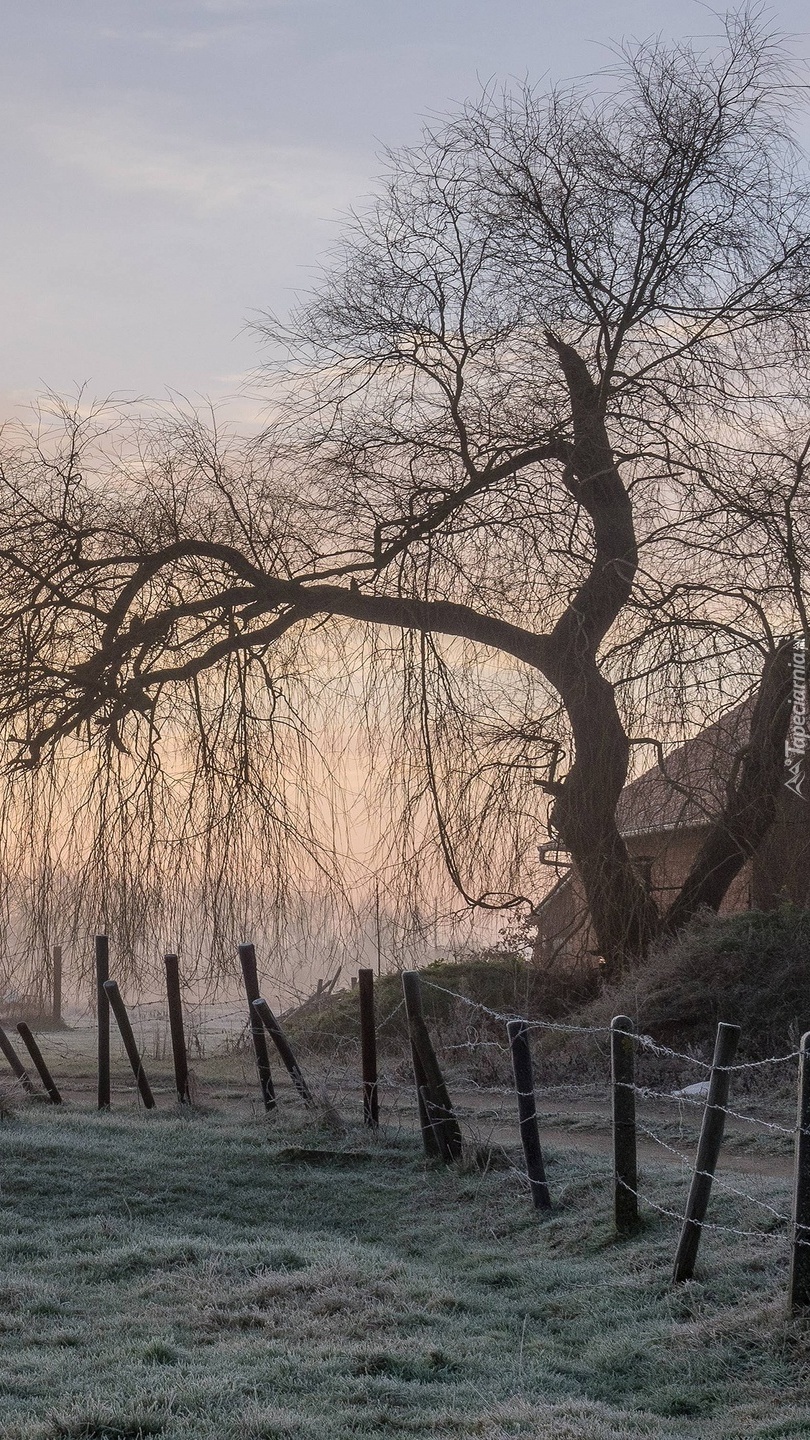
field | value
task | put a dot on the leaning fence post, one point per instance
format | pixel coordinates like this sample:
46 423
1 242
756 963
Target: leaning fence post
39 1060
176 1031
284 1048
518 1032
711 1138
56 989
103 1020
436 1121
247 958
16 1063
433 1149
119 1010
368 1048
625 1162
428 1072
799 1287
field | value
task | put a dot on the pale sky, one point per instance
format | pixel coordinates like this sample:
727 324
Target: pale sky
170 168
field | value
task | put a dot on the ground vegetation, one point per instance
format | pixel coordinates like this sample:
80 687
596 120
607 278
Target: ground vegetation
179 1277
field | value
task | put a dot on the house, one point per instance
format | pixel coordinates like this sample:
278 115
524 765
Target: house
664 816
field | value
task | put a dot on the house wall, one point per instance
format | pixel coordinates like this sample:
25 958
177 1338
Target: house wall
672 855
778 873
564 929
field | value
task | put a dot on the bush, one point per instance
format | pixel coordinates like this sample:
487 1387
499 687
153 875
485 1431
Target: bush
501 981
751 970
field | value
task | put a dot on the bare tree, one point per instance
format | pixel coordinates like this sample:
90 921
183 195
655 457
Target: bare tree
521 431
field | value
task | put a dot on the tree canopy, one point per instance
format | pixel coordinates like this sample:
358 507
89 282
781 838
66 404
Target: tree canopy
534 493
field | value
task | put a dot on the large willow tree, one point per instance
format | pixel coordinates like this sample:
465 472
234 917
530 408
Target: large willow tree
534 492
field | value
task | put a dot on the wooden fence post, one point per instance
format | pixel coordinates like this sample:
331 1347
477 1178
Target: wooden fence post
103 1020
16 1063
247 958
175 1002
433 1149
799 1285
284 1048
436 1121
427 1072
625 1161
119 1010
56 988
518 1032
711 1138
36 1055
368 1048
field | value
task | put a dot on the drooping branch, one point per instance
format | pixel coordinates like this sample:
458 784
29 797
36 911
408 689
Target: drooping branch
128 663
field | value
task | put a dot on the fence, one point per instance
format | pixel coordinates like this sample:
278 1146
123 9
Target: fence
413 1092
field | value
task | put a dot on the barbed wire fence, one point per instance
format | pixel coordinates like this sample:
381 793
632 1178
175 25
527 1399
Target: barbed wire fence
496 1110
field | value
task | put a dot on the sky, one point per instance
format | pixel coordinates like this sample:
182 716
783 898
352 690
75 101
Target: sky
172 168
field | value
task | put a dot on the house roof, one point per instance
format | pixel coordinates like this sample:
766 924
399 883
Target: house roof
688 792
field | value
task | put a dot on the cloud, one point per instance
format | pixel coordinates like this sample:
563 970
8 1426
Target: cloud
121 153
236 7
177 40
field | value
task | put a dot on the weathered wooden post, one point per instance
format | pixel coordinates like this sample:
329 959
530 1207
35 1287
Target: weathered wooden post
175 1002
433 1149
799 1285
103 1020
518 1032
427 1073
368 1048
247 958
711 1138
625 1162
56 990
39 1060
119 1010
16 1063
284 1048
436 1121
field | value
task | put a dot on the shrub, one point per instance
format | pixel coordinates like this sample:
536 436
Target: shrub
751 969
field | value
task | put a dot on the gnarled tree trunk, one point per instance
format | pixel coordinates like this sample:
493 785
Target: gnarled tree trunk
623 913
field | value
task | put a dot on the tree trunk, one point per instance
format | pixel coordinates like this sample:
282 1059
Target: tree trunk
623 913
751 798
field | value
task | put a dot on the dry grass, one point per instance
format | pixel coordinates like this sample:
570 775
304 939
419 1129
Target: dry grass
212 1274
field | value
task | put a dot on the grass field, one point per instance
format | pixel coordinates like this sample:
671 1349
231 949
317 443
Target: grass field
205 1275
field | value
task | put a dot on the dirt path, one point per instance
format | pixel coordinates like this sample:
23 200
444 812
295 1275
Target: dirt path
566 1127
570 1123
597 1143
